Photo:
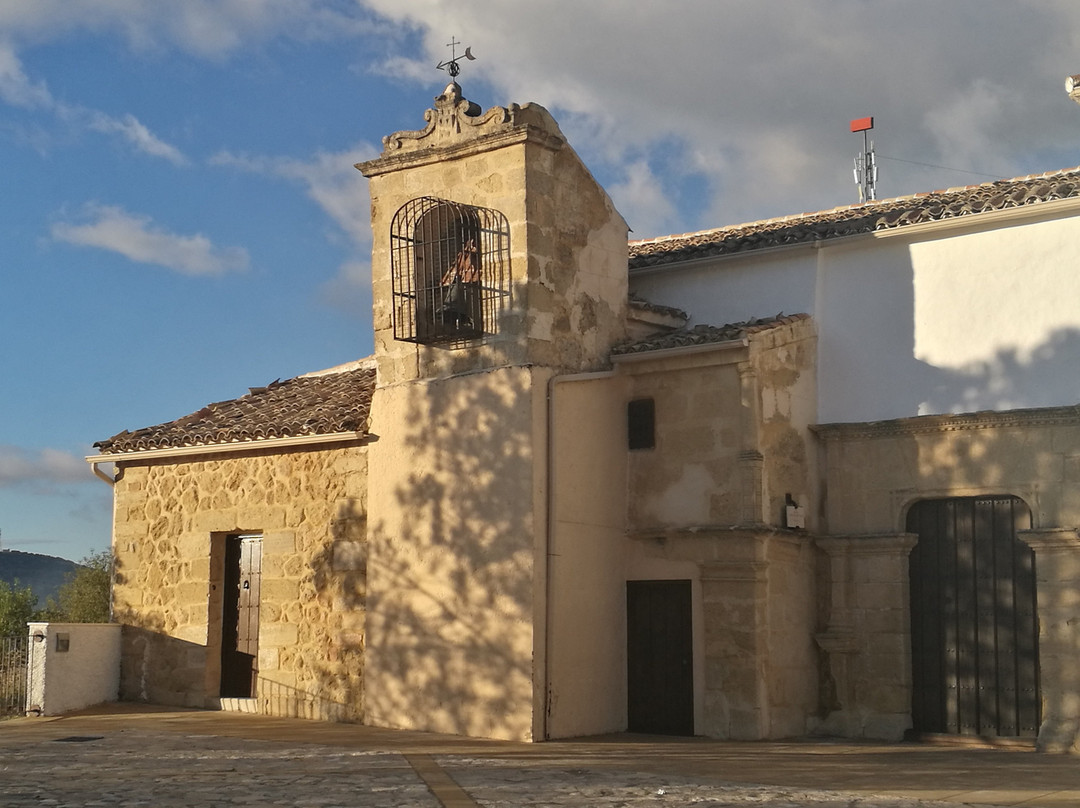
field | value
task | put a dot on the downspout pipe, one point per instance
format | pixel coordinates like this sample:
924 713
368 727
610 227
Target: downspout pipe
95 464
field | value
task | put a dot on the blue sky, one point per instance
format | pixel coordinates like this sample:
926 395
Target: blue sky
181 219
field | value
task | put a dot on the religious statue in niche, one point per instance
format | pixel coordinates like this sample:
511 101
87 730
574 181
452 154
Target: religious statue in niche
461 290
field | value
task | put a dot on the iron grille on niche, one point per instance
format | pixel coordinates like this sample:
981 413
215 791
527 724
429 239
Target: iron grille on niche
449 271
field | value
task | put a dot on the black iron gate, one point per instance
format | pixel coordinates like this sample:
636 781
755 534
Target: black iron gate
13 675
974 627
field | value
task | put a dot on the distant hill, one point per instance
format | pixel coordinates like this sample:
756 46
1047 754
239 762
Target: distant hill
43 574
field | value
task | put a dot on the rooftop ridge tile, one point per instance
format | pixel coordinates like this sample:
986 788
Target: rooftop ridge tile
703 334
858 218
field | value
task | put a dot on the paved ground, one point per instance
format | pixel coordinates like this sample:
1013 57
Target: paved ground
126 756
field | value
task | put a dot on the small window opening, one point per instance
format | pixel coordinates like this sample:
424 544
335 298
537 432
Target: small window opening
449 271
641 424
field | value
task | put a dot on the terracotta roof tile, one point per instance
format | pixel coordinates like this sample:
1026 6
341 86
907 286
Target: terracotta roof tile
642 304
707 334
307 405
864 218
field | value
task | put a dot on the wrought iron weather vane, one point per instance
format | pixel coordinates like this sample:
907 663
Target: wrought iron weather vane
451 65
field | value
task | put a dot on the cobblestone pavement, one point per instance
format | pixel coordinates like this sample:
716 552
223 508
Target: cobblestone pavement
124 764
135 768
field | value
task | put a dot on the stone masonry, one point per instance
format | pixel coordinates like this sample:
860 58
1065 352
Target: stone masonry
171 518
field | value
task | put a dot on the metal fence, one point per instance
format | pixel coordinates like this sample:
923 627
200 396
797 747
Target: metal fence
13 652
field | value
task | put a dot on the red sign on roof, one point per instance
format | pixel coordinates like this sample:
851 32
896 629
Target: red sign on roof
862 124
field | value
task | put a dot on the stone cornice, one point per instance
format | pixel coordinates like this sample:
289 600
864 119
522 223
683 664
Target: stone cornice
1054 538
867 543
837 640
928 424
397 162
717 531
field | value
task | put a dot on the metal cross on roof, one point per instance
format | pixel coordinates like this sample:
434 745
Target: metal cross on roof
451 65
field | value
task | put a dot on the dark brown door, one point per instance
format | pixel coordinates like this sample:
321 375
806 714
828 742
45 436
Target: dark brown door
240 621
659 657
974 629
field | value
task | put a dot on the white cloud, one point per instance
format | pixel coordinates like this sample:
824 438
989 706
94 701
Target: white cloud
137 135
965 126
400 67
755 97
137 238
332 182
350 290
328 178
208 28
760 94
19 466
18 90
15 87
640 199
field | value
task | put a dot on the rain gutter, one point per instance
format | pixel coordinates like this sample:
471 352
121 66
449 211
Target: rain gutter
220 448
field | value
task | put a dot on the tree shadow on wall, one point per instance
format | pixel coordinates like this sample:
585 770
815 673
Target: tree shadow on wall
331 683
155 666
1010 380
973 618
161 668
987 605
451 559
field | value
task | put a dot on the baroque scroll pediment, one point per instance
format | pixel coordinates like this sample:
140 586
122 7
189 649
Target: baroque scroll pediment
456 120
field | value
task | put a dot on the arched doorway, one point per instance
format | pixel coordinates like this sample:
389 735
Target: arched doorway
974 626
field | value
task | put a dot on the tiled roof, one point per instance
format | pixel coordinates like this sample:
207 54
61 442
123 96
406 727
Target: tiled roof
641 304
707 334
307 405
864 218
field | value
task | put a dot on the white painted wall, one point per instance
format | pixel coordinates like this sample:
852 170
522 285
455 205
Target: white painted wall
997 314
85 674
735 289
586 653
949 318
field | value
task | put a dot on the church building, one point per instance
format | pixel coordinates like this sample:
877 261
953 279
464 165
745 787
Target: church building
812 475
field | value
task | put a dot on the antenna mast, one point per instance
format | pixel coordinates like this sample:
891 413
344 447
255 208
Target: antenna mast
866 162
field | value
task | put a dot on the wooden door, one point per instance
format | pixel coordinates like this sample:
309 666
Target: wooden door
974 627
240 620
659 657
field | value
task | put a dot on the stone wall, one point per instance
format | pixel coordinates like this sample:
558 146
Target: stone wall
691 477
784 362
874 473
760 677
567 249
171 518
866 643
732 432
732 442
459 507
